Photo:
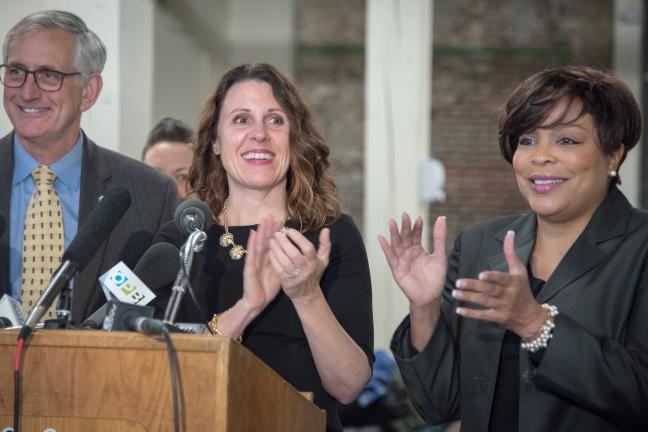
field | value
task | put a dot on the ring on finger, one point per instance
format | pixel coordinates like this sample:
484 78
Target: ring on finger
293 274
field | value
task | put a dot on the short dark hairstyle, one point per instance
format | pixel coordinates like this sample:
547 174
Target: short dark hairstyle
168 129
607 99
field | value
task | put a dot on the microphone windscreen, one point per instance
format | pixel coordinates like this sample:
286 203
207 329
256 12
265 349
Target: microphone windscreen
101 222
5 322
192 207
3 224
158 266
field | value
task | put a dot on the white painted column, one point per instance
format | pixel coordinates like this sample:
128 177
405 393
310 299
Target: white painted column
190 54
398 89
627 55
135 72
120 119
196 40
265 36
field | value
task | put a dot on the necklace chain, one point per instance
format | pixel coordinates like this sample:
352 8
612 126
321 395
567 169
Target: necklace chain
227 238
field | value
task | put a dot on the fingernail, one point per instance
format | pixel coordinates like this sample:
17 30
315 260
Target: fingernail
460 311
456 294
511 233
460 283
481 276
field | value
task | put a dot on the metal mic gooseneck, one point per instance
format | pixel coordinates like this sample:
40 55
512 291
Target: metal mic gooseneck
194 243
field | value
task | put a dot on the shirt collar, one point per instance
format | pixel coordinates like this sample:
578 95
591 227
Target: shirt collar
67 169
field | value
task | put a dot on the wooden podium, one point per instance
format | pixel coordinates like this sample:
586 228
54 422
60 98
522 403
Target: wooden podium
81 380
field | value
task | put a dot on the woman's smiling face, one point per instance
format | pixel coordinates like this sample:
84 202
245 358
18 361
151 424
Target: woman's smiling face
253 137
560 168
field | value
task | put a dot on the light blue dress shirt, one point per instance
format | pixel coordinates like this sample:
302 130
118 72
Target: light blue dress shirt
67 186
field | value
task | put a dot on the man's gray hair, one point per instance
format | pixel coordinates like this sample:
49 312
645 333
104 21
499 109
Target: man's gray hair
89 51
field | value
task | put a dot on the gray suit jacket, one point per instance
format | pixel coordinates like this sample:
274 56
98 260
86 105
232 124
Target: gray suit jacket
594 374
153 202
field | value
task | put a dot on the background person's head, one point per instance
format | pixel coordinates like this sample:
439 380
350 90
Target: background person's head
168 148
66 59
311 194
566 132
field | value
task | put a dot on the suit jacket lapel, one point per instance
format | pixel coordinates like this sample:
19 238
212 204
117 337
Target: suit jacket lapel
488 332
95 178
6 173
525 229
608 221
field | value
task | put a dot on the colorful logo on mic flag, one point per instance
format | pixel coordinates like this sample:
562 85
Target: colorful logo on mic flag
125 286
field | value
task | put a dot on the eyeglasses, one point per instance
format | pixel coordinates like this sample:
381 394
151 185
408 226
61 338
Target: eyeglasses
48 80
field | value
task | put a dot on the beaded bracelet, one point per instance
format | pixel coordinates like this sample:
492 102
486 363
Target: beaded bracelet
545 333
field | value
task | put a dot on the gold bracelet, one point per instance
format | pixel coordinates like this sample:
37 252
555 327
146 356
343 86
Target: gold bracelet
213 326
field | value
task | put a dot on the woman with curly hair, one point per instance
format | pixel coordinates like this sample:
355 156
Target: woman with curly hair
283 269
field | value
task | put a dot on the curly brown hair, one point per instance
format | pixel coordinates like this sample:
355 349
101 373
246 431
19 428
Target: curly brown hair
312 197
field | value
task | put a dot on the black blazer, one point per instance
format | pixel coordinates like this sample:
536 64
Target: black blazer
593 375
153 202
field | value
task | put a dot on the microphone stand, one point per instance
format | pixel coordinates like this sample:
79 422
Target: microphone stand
194 243
63 318
61 277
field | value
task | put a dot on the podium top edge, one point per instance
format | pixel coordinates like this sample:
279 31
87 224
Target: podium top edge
125 340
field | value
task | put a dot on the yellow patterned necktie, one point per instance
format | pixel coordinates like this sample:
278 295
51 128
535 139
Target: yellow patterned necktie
42 240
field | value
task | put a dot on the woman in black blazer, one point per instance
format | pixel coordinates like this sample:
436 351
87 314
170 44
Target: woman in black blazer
537 322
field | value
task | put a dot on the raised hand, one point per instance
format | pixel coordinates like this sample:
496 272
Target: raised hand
260 282
506 297
297 264
419 274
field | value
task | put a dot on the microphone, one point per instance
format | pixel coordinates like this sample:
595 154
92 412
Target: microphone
125 316
193 215
100 224
156 269
146 325
158 266
128 317
91 235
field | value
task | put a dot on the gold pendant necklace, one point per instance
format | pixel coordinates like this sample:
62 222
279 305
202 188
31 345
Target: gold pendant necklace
227 238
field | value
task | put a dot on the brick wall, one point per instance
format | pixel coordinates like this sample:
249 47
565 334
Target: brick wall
329 66
482 49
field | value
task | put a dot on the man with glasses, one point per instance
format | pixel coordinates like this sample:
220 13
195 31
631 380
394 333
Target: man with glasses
51 73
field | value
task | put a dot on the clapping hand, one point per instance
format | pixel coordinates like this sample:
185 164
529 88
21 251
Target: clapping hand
260 282
419 274
297 263
506 297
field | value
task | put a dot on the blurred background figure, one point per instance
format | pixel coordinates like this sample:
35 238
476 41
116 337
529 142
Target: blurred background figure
168 149
383 406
